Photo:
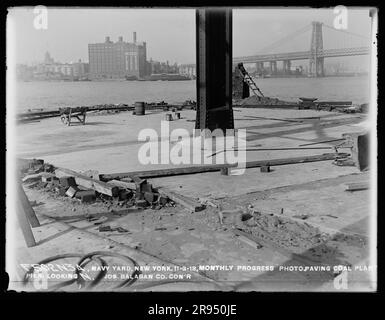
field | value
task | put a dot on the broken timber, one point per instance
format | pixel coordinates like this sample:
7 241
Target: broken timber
247 238
355 186
218 167
123 184
26 207
82 180
188 203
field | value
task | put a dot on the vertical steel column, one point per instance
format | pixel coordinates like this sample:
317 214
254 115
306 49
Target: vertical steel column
271 67
214 69
288 66
274 67
316 63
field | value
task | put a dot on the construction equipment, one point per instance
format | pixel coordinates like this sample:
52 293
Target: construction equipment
249 80
68 114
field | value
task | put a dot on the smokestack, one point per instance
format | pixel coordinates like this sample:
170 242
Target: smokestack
120 39
134 36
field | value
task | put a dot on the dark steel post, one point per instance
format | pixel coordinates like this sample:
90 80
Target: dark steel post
214 69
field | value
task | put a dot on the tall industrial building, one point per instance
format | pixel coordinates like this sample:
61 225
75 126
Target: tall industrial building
117 60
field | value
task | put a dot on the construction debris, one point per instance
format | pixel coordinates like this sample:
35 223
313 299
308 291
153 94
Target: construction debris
123 184
79 186
256 101
355 186
265 169
35 177
247 238
132 189
87 182
71 191
68 113
86 195
218 167
190 204
67 181
297 240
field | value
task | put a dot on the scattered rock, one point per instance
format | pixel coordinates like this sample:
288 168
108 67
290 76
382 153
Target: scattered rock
141 203
301 216
104 228
71 191
101 220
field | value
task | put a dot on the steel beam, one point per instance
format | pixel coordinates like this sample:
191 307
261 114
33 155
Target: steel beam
214 69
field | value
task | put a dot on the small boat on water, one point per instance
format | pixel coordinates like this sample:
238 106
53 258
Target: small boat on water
166 77
131 78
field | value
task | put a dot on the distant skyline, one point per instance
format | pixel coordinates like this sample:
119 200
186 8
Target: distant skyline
169 33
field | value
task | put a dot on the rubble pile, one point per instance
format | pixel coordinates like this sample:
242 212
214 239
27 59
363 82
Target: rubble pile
257 101
304 103
141 194
297 237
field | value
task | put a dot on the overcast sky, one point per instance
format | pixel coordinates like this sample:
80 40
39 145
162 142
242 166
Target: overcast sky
169 33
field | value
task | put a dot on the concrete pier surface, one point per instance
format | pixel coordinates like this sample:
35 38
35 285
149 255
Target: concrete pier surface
311 196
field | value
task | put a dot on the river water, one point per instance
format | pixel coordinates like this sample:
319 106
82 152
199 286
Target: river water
51 95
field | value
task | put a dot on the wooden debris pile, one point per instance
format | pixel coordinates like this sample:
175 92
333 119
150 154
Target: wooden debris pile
303 104
87 188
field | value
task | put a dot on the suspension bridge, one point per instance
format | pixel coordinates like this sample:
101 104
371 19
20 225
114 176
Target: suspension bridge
346 44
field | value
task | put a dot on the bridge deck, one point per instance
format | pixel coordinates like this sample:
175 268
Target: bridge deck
302 55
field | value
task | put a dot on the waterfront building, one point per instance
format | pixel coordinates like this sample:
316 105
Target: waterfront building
188 70
80 69
156 67
117 60
50 69
48 59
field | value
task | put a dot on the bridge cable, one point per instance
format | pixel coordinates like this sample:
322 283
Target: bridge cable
283 40
347 32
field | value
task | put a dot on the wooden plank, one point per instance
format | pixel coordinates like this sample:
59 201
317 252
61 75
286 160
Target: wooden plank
270 149
294 160
162 172
56 113
82 180
24 225
94 174
334 103
246 238
138 181
188 203
27 208
355 186
275 119
35 176
123 184
217 167
318 142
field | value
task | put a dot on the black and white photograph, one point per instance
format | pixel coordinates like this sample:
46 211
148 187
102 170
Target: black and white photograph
191 149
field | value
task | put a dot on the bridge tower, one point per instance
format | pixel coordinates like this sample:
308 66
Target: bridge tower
259 67
273 67
316 66
286 66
